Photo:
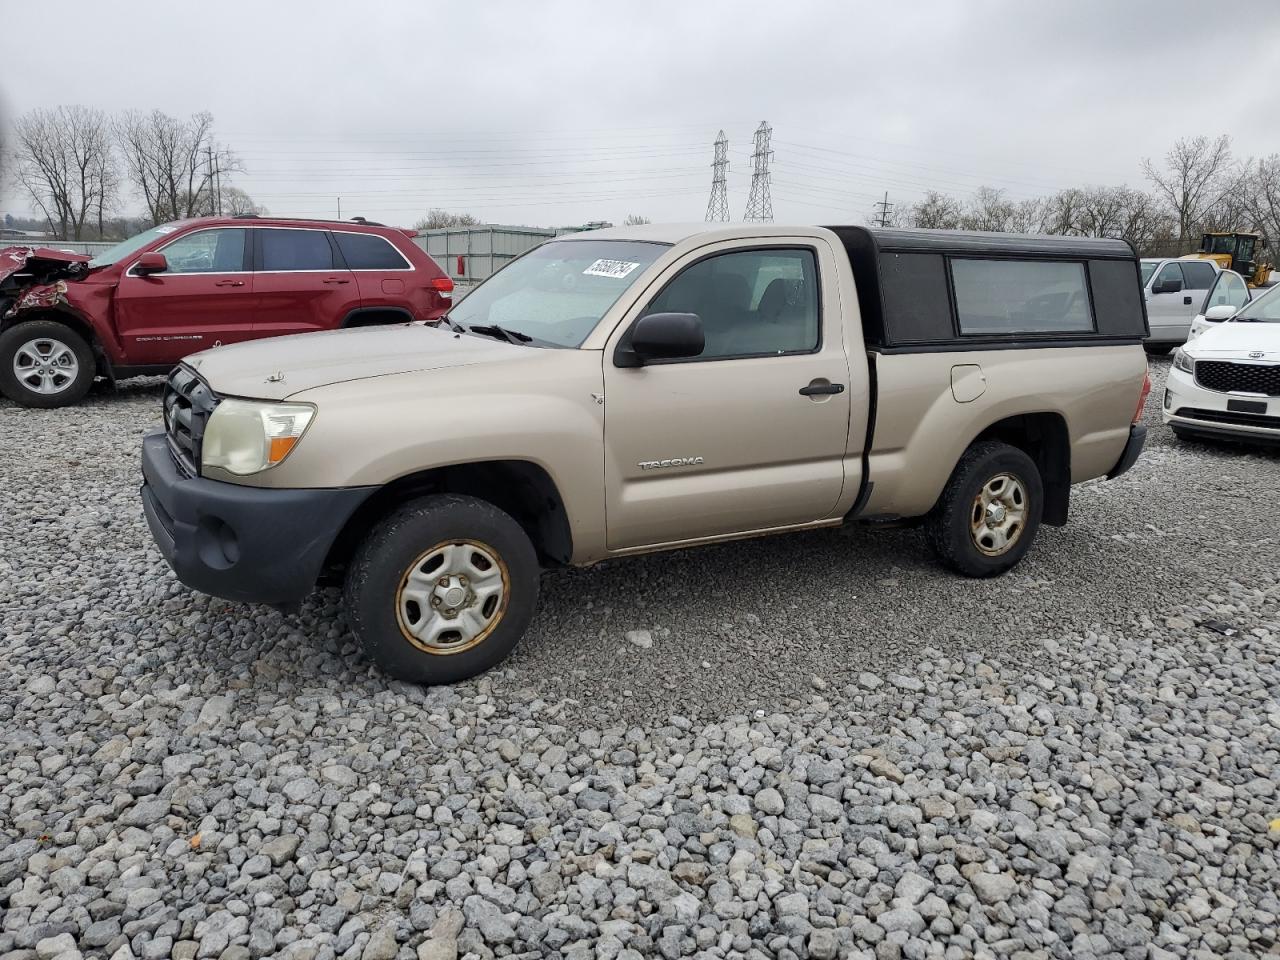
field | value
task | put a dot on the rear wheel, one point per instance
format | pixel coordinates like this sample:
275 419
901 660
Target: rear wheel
442 589
990 511
44 363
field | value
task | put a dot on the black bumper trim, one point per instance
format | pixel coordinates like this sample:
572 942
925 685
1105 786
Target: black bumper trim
250 544
1137 438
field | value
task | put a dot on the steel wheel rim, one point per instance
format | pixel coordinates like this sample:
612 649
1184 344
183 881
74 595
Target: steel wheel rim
45 366
998 515
452 596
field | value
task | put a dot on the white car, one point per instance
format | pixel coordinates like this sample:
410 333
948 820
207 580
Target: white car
1227 296
1225 382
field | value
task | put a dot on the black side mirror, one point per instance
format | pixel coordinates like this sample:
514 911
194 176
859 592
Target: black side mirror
661 336
1167 286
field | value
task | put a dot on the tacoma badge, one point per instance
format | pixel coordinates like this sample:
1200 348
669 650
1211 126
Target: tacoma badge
674 462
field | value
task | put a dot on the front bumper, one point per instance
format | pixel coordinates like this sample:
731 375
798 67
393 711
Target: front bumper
1190 408
251 544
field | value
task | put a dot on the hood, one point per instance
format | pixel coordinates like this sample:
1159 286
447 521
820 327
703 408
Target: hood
41 264
36 277
279 367
1230 339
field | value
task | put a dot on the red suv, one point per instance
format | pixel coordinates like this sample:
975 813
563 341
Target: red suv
143 305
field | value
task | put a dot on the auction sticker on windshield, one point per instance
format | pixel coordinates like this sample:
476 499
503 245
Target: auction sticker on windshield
617 269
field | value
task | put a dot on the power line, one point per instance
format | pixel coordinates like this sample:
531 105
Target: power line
718 205
759 203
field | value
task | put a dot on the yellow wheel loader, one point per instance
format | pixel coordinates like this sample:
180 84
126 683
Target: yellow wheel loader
1241 252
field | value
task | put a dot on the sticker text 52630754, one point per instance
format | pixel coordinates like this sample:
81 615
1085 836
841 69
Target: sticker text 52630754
616 269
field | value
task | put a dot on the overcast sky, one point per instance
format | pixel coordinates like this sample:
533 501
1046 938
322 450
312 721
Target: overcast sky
560 113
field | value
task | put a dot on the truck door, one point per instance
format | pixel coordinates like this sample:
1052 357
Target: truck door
203 300
752 433
1170 305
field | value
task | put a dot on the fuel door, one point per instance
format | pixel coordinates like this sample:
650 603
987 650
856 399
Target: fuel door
968 382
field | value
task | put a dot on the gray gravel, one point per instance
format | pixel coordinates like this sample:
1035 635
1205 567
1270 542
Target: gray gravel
814 746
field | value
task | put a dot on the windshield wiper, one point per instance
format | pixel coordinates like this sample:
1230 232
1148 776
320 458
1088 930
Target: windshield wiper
493 330
453 324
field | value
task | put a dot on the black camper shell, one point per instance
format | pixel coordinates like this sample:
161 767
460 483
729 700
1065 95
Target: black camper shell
954 290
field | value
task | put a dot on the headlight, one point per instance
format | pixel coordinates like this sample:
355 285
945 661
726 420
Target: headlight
1183 362
243 436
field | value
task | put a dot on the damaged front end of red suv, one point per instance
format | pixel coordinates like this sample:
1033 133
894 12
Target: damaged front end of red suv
34 278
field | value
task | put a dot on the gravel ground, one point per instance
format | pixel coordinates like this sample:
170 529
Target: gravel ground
815 745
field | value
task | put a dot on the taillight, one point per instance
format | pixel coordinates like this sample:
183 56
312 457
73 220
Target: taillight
1142 398
444 286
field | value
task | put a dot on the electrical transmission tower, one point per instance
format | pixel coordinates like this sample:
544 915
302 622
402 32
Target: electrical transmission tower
759 203
882 211
718 205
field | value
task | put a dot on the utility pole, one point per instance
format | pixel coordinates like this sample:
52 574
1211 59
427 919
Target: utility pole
339 208
217 182
208 152
718 205
882 214
759 203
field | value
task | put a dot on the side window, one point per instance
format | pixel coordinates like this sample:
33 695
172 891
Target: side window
751 302
1198 274
206 251
1020 296
1230 290
367 251
1170 271
295 250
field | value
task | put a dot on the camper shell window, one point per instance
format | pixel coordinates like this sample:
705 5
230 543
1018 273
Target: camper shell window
958 290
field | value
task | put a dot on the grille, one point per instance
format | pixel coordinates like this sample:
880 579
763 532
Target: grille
1230 417
188 401
1225 377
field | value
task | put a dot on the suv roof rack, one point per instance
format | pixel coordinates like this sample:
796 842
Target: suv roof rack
360 220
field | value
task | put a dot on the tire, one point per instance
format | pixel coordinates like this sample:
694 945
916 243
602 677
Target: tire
409 551
65 382
975 551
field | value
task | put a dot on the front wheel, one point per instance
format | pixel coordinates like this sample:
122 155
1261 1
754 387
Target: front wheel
989 512
44 364
442 589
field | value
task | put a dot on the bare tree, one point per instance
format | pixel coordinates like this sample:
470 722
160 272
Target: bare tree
1197 174
1263 197
237 203
936 211
63 160
172 162
437 218
988 210
635 220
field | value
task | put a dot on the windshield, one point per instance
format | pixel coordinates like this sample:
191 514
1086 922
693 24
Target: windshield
558 292
125 247
1265 309
1219 244
1148 268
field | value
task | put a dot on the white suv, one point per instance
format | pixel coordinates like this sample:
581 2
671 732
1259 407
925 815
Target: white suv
1226 381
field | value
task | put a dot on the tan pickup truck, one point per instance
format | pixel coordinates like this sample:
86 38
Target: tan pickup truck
647 388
